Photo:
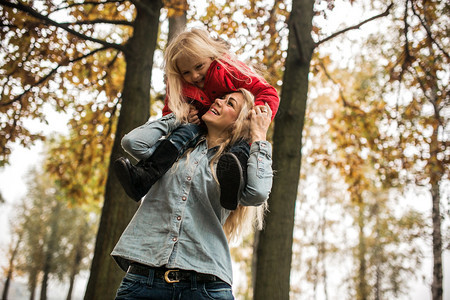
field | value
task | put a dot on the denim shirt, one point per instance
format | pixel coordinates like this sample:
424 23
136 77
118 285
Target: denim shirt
179 222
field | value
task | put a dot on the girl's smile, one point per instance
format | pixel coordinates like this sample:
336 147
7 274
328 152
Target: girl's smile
194 69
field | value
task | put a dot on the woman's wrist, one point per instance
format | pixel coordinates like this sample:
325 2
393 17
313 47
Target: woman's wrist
258 138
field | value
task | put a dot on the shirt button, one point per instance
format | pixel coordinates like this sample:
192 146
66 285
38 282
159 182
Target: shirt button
189 178
178 218
260 159
184 198
174 239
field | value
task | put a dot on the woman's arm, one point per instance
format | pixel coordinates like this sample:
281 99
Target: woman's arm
140 141
259 165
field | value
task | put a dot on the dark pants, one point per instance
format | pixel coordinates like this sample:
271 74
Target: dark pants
148 287
187 136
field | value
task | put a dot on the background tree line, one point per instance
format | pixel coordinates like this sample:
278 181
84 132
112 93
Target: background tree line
375 125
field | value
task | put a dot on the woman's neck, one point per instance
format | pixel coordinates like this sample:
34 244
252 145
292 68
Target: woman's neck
214 138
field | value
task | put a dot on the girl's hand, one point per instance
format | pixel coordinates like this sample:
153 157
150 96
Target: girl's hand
260 118
193 115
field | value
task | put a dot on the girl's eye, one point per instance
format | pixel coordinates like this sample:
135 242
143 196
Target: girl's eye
199 66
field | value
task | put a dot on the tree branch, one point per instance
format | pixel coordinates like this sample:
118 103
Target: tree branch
7 25
53 71
341 92
29 10
94 3
357 26
99 21
427 29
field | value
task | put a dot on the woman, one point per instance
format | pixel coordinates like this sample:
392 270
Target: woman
176 246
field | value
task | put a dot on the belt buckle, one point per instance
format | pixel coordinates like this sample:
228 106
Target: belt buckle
167 279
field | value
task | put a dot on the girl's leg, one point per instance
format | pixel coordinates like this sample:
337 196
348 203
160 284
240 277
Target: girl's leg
232 174
137 180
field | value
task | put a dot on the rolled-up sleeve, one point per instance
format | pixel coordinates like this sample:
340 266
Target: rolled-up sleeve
259 175
140 141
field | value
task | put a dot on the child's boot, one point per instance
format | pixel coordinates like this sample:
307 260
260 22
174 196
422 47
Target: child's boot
232 175
137 180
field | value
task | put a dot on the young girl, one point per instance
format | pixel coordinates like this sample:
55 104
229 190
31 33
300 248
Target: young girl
199 69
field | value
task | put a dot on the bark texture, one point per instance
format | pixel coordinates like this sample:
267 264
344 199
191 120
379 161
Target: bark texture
274 250
135 110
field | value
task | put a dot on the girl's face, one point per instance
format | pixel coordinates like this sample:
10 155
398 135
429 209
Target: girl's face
224 111
194 69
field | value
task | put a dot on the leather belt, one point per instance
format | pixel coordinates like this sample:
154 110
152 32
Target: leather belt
170 275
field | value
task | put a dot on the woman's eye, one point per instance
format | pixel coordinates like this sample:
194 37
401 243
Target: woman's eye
230 103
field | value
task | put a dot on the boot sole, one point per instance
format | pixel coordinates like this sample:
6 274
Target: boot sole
123 174
229 175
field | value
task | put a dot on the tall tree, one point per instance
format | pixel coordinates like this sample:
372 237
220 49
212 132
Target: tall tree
82 238
275 245
135 109
275 242
16 240
177 15
421 66
45 224
80 53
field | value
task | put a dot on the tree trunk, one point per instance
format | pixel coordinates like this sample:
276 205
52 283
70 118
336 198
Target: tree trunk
76 264
118 209
44 283
32 283
275 245
6 287
435 178
51 244
71 284
176 25
11 268
436 290
362 291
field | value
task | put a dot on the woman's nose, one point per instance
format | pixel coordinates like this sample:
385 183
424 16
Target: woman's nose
219 101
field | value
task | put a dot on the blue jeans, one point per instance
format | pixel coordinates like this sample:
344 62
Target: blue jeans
185 136
147 287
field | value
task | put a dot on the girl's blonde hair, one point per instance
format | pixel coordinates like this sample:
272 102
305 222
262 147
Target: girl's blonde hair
197 43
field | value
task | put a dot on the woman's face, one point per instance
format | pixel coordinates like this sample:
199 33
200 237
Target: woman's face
224 111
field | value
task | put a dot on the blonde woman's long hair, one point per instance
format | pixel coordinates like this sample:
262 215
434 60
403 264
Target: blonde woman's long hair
244 218
197 43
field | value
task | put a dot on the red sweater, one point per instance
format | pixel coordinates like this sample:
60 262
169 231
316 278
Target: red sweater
219 82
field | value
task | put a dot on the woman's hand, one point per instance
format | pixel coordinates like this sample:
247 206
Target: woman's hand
260 118
193 115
